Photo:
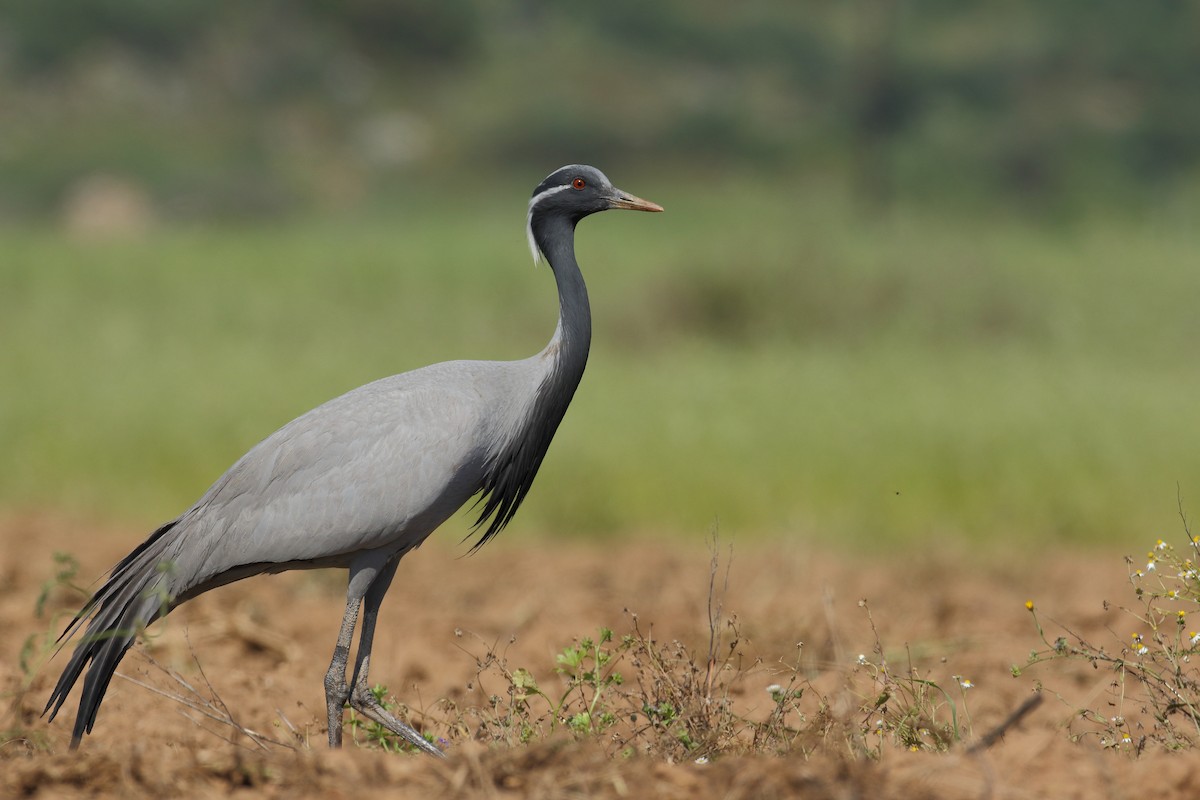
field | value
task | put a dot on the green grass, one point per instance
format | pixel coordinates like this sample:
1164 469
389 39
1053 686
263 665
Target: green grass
764 357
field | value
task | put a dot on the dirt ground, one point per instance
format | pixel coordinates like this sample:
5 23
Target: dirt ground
264 645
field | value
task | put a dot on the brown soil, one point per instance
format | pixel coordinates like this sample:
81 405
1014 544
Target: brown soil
264 645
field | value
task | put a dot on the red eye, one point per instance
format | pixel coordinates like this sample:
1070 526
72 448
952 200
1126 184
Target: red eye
579 183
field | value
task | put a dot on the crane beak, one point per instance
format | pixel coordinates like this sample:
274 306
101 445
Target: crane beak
632 202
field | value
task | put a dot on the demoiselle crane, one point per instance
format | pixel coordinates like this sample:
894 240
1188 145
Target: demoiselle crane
363 479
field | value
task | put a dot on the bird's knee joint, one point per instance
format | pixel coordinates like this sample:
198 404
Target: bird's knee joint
335 682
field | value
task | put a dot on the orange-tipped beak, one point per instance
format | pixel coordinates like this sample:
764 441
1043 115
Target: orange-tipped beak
633 203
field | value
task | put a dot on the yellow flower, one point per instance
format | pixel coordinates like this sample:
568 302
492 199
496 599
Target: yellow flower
1029 605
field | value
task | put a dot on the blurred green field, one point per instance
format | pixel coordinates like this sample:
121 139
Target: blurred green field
766 356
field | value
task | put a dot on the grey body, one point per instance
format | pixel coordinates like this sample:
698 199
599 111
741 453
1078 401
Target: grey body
363 479
352 476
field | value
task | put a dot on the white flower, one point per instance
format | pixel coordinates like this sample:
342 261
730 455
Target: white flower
861 660
965 683
702 760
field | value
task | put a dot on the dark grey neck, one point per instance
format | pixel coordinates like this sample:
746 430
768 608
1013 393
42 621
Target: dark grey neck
510 471
573 338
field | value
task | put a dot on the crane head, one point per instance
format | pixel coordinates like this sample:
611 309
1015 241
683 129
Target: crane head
573 192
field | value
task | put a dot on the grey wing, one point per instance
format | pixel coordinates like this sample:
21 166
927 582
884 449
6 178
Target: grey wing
379 467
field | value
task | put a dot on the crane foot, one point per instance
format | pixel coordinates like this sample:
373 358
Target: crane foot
365 703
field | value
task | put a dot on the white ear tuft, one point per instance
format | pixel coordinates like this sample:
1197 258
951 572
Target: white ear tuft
533 246
533 201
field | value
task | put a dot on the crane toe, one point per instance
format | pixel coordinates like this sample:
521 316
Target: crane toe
364 702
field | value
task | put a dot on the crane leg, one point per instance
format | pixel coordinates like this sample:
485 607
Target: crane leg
362 699
337 691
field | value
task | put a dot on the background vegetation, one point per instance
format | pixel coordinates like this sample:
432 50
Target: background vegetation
928 270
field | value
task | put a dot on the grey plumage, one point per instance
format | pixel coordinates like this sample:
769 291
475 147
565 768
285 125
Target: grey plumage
363 479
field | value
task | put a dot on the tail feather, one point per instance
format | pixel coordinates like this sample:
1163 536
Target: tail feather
135 594
105 664
119 576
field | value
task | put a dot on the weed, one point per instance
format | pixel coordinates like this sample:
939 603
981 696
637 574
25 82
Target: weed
36 648
587 668
60 587
1154 691
917 713
63 580
584 705
641 694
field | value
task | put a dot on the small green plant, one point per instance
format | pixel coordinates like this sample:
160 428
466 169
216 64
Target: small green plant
65 570
1154 691
589 671
584 704
59 587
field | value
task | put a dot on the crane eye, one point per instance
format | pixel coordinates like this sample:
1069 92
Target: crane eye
579 183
